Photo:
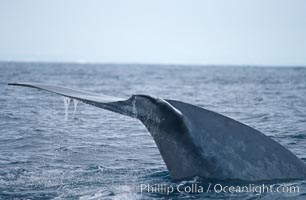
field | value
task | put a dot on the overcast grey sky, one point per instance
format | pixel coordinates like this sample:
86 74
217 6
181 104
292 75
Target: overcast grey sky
256 32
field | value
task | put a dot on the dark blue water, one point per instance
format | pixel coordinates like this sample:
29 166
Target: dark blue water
97 154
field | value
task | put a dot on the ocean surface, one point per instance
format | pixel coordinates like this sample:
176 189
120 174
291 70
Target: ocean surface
97 154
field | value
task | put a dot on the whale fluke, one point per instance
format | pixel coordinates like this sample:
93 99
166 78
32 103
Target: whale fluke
194 141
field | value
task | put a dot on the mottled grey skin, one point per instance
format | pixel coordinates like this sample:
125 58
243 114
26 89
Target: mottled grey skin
197 142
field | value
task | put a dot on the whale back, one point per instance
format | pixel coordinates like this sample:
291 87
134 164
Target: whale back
237 151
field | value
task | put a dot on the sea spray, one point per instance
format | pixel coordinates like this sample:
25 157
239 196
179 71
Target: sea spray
66 105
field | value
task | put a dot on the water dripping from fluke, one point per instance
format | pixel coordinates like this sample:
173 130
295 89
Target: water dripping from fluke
75 104
66 105
134 109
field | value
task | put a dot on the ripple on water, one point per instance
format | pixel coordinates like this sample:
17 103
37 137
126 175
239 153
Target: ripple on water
97 154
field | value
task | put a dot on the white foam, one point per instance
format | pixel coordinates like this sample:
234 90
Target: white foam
125 192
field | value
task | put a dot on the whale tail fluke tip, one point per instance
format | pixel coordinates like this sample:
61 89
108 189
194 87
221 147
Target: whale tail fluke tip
16 84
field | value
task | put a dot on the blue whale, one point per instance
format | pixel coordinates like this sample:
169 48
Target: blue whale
197 142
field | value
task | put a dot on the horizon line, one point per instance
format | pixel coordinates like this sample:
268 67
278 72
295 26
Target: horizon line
152 63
